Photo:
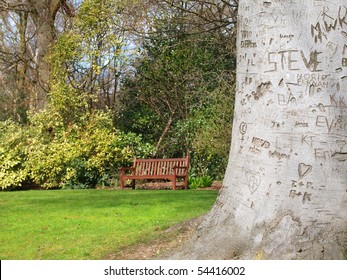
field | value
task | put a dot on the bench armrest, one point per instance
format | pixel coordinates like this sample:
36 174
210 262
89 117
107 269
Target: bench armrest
124 169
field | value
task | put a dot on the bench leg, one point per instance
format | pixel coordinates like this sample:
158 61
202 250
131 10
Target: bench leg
186 182
174 183
121 183
133 184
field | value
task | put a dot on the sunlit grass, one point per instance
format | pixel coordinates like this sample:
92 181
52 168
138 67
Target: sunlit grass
89 224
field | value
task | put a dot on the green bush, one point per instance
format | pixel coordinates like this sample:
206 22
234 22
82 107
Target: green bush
200 182
12 155
51 155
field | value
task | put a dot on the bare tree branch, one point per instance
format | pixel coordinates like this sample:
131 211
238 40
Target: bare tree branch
15 5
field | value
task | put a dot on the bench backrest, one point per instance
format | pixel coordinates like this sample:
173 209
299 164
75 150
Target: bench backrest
157 167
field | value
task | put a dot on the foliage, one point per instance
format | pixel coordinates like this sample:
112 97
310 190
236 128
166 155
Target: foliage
69 144
181 98
12 155
90 224
78 156
176 95
200 182
90 56
211 142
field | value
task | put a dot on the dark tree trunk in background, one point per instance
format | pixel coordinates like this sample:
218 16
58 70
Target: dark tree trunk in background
43 14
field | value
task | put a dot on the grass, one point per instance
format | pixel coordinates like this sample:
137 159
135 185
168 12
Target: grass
90 224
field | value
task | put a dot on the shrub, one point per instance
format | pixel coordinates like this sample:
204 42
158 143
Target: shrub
84 153
200 182
52 155
12 155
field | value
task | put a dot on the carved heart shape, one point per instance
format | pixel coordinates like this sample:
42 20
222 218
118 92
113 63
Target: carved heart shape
304 169
253 181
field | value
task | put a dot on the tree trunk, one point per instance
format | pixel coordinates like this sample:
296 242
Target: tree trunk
284 194
22 67
165 131
43 14
44 22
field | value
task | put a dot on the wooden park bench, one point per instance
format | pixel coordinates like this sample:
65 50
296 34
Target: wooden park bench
145 169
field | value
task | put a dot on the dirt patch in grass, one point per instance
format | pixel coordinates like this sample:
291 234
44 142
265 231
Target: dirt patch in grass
169 240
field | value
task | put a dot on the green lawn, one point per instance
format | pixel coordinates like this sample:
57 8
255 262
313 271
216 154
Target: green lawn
89 224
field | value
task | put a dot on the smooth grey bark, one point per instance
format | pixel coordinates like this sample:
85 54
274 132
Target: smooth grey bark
284 195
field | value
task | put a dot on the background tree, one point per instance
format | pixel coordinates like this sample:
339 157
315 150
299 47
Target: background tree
100 54
15 65
184 67
70 143
28 29
284 194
